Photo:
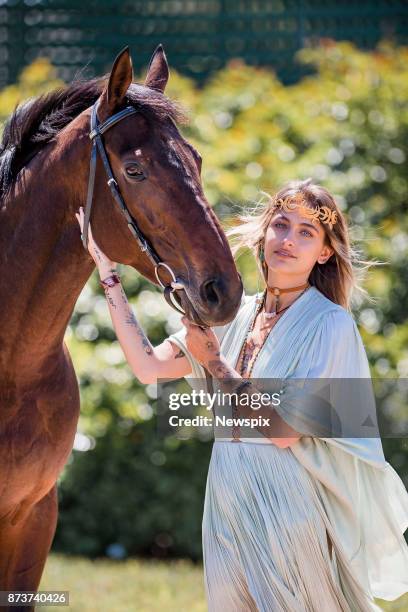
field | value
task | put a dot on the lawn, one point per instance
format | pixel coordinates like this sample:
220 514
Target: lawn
136 585
125 586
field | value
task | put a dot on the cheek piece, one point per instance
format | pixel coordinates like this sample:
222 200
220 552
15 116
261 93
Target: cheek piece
96 133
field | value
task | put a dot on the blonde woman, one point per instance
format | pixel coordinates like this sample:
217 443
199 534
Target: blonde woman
292 521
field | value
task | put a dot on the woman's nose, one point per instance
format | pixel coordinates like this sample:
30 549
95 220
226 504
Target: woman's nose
288 238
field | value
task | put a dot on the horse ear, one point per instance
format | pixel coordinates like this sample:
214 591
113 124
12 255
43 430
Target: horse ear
121 77
158 71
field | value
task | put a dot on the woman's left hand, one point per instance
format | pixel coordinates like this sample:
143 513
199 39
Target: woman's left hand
202 343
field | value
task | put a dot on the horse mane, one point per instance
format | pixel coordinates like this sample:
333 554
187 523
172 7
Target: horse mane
37 121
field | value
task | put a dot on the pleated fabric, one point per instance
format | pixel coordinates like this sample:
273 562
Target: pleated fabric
269 511
268 545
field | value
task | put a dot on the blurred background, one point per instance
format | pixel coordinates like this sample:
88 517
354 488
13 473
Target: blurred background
275 90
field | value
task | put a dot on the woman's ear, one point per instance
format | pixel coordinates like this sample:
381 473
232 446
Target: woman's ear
325 254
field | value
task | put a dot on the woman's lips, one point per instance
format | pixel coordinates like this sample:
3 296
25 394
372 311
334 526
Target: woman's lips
283 254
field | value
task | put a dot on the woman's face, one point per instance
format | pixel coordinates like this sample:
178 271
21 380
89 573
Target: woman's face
302 238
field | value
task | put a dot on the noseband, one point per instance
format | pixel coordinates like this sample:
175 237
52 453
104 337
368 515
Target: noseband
96 133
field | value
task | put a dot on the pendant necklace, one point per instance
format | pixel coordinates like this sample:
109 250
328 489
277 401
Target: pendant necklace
249 342
275 316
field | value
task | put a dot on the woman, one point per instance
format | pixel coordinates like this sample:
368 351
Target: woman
292 521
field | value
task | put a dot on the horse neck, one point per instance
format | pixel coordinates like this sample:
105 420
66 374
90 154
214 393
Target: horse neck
43 264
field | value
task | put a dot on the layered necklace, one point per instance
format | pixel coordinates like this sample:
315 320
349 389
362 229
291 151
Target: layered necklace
248 353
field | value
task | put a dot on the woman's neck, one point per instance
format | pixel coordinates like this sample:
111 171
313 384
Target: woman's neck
285 299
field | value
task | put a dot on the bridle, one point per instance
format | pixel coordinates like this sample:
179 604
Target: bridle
96 133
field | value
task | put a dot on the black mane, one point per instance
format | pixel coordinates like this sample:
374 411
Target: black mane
37 121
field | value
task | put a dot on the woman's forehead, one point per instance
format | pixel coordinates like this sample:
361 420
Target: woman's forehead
296 216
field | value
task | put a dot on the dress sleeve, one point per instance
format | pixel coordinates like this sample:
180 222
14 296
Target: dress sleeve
329 394
337 350
363 496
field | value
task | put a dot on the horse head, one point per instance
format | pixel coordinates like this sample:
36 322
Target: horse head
157 173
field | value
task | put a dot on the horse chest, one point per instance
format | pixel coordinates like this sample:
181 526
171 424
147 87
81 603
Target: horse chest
37 429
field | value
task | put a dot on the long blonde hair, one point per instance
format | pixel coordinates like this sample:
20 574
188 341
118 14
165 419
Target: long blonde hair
343 272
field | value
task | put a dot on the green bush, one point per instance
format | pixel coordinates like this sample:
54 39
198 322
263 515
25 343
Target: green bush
134 494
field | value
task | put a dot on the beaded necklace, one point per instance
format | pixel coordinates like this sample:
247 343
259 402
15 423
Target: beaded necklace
255 354
236 428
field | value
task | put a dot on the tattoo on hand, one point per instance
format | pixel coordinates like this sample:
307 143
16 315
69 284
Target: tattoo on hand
219 369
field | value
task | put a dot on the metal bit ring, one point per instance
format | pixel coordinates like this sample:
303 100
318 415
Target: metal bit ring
174 283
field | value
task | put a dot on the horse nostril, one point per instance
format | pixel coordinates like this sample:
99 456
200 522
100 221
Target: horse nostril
211 291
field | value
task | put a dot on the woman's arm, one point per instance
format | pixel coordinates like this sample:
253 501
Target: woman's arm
277 430
148 363
203 344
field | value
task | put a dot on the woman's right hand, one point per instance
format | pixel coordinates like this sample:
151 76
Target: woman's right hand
103 263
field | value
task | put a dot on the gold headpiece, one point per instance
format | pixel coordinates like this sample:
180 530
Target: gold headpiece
318 213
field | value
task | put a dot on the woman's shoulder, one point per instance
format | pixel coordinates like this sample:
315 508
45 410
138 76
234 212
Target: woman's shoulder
334 314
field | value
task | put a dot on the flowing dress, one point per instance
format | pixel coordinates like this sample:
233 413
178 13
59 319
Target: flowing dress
315 527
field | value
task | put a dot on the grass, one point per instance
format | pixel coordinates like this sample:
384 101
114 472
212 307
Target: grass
136 586
125 586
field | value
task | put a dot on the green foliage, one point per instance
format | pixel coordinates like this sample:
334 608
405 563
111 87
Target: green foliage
36 79
347 127
136 492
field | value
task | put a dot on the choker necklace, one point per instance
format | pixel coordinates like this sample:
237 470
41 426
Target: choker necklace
277 292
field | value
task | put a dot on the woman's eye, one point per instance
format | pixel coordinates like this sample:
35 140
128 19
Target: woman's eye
279 224
135 172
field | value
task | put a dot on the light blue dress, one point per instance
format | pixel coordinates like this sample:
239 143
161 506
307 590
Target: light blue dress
314 527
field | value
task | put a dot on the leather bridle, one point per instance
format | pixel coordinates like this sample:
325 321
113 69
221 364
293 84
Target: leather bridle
96 133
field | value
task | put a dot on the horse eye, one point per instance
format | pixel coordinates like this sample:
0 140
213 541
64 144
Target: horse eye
135 172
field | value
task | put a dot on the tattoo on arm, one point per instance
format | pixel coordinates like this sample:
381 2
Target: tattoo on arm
179 355
98 254
110 300
130 320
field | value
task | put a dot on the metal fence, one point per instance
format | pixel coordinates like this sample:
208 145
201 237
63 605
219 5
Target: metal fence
199 36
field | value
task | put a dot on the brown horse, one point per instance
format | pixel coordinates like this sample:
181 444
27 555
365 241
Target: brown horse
44 169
